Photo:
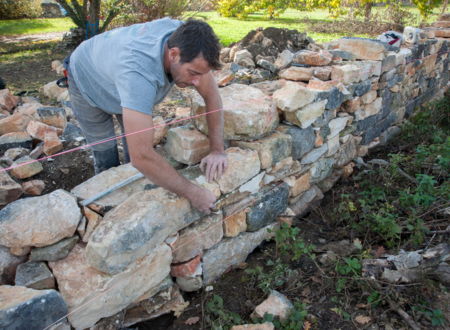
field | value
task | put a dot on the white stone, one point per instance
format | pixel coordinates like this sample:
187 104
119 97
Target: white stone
293 96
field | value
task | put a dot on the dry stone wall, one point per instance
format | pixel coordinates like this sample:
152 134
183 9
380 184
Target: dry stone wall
290 140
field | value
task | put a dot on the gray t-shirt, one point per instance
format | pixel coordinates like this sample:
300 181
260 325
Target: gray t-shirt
123 68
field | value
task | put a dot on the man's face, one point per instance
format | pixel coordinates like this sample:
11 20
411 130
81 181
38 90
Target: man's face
189 73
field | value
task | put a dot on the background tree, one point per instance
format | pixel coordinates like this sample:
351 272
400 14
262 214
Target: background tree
86 14
426 6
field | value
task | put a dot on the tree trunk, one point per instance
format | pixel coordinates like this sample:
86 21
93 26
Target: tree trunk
367 11
92 21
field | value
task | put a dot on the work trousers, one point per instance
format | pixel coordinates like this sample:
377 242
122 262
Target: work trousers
97 125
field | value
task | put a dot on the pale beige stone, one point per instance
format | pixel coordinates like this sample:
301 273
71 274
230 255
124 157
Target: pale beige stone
52 90
369 109
276 304
26 167
322 85
38 130
93 220
296 73
369 97
307 115
293 96
346 74
106 295
363 49
298 184
242 166
262 326
187 146
322 73
352 105
15 123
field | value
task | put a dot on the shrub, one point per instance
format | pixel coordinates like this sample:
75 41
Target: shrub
13 9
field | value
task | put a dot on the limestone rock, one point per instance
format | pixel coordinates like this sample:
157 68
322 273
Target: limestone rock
244 58
298 185
25 167
52 90
198 237
34 275
293 96
232 251
52 116
322 73
322 168
54 252
369 109
346 74
52 144
306 115
296 73
235 224
39 130
7 101
190 284
322 85
308 57
33 187
28 108
261 326
242 166
337 125
39 221
276 304
187 146
347 152
269 87
23 308
270 149
106 294
107 179
10 190
137 226
363 49
248 113
284 59
271 201
369 97
160 128
15 123
8 265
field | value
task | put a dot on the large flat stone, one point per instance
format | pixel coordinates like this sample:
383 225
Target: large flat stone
137 226
271 202
15 140
314 155
103 295
363 49
271 149
14 123
23 308
248 113
305 116
39 221
242 166
302 139
293 96
106 180
232 251
187 146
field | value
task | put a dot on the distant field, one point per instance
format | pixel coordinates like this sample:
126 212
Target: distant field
34 26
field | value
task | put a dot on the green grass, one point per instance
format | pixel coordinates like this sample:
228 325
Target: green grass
34 26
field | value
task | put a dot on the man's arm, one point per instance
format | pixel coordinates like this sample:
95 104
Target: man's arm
155 167
215 163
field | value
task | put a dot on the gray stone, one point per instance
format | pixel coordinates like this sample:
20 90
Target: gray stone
321 169
10 190
378 128
300 204
39 221
15 140
232 251
72 133
302 139
52 116
342 54
137 226
325 118
8 265
54 252
267 65
360 88
389 62
15 153
328 183
388 76
190 284
23 308
314 155
388 134
335 98
270 203
34 275
347 152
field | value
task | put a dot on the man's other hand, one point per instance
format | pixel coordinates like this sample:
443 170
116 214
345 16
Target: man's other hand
214 165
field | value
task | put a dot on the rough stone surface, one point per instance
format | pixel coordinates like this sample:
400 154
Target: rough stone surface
293 96
10 190
309 57
307 115
15 140
297 185
321 169
271 149
276 304
198 237
314 155
369 109
8 101
187 146
107 294
235 224
363 49
107 179
322 73
39 221
262 326
8 265
52 116
15 123
34 275
337 125
137 226
23 308
187 268
242 166
347 152
271 202
296 73
302 139
33 187
248 112
369 97
284 59
346 74
232 251
300 204
25 167
54 252
39 130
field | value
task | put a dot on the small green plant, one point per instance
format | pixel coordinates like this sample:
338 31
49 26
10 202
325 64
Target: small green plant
435 316
349 267
273 277
218 316
294 321
290 244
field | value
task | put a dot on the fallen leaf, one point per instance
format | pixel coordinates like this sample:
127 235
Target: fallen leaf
361 319
306 325
192 320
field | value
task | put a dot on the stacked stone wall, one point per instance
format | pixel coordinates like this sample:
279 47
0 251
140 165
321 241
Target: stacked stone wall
289 141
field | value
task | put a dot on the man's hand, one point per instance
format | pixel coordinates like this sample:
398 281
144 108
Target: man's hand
202 199
214 165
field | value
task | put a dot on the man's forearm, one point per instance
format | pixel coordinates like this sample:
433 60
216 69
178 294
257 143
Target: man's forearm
215 129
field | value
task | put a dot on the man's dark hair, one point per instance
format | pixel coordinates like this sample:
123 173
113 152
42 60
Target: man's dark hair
196 37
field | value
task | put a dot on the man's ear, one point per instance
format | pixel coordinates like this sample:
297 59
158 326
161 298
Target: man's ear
174 54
